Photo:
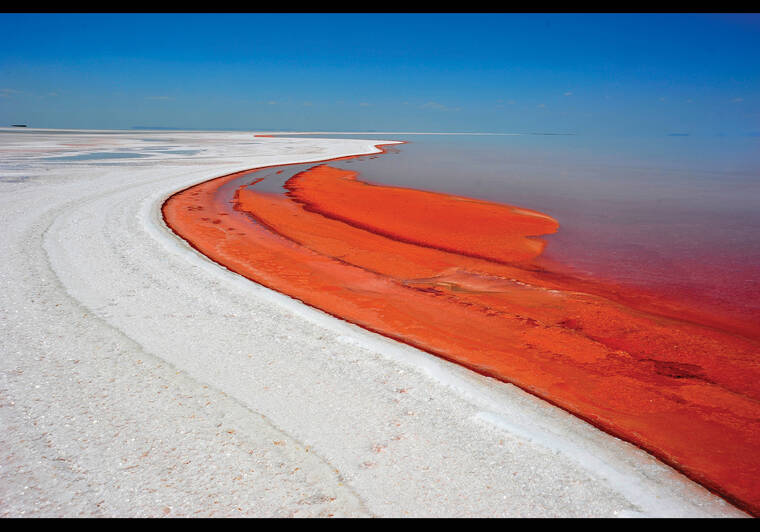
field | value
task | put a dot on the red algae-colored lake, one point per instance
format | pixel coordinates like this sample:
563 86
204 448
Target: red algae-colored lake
474 280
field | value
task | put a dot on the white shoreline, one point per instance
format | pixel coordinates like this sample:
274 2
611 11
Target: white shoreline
323 418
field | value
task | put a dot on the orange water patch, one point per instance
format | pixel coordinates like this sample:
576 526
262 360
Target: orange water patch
455 277
461 225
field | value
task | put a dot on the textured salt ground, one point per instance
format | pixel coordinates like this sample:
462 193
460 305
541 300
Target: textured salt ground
141 379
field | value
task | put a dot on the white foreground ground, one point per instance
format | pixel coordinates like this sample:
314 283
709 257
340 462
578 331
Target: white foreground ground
141 379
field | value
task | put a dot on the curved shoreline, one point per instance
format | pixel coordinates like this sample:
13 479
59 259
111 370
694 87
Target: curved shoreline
589 413
137 371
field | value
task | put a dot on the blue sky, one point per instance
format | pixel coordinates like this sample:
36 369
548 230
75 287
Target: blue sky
694 74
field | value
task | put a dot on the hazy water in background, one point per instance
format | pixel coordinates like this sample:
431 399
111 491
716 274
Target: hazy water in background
678 214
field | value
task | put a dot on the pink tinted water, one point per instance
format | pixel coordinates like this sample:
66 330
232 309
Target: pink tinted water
676 216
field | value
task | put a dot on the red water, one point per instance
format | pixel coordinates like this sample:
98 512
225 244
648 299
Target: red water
464 279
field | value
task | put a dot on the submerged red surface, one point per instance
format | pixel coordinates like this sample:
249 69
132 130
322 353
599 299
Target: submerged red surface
459 278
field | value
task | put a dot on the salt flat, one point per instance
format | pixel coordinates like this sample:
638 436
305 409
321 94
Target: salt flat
141 379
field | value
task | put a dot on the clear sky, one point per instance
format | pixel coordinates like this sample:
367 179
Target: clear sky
696 74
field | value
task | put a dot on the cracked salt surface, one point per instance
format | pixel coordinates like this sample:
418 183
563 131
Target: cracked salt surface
141 379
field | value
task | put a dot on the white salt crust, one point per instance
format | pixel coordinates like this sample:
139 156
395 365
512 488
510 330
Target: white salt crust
140 378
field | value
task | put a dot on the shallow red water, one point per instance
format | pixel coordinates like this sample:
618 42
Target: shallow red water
464 280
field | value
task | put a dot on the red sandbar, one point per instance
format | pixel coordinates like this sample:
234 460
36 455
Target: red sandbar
454 276
461 225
